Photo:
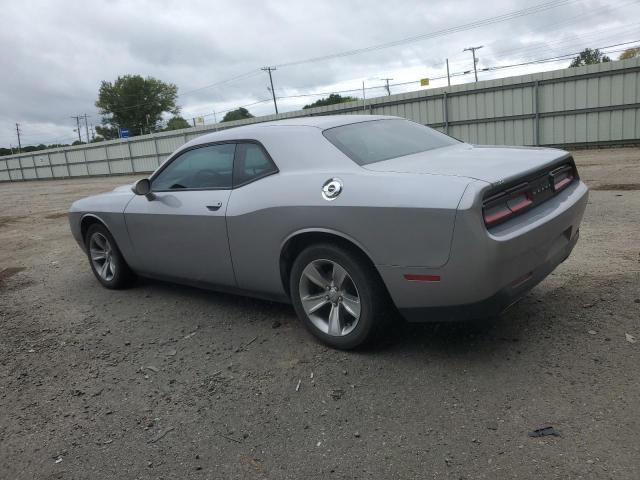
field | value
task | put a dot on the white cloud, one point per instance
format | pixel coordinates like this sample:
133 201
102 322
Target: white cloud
55 54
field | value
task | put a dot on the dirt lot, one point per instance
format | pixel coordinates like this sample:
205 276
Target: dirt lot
163 381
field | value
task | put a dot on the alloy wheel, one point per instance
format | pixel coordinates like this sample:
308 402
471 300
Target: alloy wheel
329 297
101 255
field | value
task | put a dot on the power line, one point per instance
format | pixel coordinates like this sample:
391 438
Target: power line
556 58
245 75
599 35
480 23
459 28
412 82
389 85
217 112
251 73
548 27
487 21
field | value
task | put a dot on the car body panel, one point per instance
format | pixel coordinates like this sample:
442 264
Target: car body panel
108 208
484 263
190 222
259 223
417 214
492 164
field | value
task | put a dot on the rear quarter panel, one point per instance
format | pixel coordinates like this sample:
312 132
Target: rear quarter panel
397 219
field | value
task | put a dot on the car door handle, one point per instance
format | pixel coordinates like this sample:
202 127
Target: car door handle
215 207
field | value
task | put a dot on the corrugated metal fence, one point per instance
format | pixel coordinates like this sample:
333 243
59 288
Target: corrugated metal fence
591 105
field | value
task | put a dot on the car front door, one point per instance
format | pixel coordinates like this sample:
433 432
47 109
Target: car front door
179 230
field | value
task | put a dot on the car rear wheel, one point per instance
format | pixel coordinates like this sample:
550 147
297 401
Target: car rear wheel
107 263
338 295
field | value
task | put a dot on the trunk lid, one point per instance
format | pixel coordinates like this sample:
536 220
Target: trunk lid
493 164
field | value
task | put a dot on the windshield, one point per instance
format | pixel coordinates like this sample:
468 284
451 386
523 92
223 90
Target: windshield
377 140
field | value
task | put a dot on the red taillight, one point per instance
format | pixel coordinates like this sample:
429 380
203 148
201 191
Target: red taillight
501 206
561 177
519 203
538 188
495 214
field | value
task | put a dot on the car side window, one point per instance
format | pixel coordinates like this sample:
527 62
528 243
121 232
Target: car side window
209 167
252 162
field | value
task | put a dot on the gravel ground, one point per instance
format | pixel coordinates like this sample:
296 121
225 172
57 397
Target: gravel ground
163 381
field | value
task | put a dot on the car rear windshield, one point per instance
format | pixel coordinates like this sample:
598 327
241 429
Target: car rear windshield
378 140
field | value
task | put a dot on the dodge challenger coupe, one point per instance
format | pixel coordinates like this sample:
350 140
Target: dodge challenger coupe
345 217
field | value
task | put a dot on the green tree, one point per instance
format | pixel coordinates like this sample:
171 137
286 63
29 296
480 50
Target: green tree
332 99
589 57
632 52
135 103
176 123
33 148
107 132
30 148
237 114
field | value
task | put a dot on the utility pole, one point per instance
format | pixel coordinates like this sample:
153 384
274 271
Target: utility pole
473 52
387 85
86 126
448 77
273 92
18 132
77 117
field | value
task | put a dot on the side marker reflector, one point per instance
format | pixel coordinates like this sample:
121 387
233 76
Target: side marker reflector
422 278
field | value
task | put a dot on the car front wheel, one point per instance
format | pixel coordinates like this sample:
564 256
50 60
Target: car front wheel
338 295
107 263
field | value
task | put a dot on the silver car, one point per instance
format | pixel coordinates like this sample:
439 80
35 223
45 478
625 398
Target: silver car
345 217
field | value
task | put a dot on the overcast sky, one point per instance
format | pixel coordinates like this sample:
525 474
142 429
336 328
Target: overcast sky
55 54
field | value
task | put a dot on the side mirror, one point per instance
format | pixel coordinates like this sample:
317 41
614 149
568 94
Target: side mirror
142 187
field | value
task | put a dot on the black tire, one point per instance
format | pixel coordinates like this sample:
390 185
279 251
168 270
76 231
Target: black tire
373 298
122 277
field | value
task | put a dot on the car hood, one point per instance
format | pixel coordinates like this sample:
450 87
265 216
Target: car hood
123 188
488 163
113 201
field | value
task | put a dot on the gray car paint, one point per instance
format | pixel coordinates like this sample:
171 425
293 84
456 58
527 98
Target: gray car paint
488 163
415 214
483 263
181 221
109 209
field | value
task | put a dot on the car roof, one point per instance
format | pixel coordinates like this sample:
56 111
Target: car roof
257 130
260 131
324 121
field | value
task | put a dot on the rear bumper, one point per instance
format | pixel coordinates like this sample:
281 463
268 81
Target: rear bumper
489 270
497 303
